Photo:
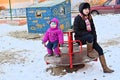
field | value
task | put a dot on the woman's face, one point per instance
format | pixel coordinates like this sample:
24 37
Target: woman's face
86 11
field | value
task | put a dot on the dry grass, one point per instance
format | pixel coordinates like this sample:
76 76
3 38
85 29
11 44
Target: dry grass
25 35
62 70
12 57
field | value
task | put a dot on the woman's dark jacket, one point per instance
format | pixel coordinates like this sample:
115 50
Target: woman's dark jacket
80 30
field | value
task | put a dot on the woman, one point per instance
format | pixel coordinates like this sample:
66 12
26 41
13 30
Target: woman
85 31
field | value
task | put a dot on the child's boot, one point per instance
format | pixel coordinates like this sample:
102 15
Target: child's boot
50 52
57 55
56 51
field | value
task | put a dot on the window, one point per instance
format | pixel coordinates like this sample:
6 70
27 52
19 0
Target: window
62 10
112 2
107 2
39 14
118 1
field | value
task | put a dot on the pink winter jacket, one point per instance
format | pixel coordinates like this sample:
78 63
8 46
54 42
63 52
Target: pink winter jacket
53 34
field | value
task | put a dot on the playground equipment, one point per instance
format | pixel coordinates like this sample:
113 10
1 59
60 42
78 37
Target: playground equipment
71 53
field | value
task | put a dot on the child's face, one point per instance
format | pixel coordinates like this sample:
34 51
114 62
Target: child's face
53 25
86 11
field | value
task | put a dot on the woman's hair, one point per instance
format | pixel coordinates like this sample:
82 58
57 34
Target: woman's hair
82 6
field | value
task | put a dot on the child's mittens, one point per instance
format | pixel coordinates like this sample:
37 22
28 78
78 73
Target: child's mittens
44 43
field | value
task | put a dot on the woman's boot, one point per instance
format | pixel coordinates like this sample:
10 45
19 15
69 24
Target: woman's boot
90 50
104 65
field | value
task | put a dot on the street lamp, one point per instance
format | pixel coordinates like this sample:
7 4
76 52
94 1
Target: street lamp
10 9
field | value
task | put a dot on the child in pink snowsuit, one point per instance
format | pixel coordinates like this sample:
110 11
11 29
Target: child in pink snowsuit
54 36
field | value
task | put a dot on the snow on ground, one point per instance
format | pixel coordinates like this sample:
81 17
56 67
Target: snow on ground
23 59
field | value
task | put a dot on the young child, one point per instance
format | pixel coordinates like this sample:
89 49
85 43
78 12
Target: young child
54 36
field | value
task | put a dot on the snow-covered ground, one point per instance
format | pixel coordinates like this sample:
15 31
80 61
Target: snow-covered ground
23 59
